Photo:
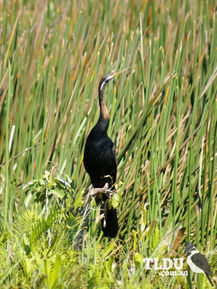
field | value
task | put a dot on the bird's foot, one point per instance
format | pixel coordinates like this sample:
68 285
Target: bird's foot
105 190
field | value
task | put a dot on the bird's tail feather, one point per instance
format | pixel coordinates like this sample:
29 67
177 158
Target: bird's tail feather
109 221
207 275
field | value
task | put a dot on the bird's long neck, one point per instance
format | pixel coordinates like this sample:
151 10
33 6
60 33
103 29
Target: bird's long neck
104 113
103 121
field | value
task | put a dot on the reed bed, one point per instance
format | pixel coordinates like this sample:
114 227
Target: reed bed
163 120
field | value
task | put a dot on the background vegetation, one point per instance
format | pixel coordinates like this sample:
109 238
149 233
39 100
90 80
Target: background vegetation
163 121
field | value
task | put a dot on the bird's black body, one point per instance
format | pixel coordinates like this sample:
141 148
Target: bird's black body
100 163
201 262
100 160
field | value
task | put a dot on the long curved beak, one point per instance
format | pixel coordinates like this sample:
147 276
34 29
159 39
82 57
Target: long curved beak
114 74
108 77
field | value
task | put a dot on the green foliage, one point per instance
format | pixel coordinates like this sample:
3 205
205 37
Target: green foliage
163 119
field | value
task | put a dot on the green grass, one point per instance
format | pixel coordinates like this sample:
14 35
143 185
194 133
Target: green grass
163 120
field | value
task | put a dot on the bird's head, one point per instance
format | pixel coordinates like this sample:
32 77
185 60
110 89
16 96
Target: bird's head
190 248
105 79
108 77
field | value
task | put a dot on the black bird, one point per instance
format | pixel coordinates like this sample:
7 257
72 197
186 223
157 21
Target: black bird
197 261
100 162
